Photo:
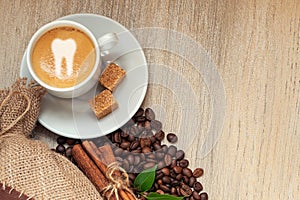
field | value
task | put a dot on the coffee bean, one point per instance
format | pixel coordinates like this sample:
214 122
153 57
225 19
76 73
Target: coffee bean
136 151
146 150
172 138
185 190
130 159
192 181
164 148
187 172
164 188
149 165
177 169
198 172
134 144
124 134
160 191
70 141
61 140
139 112
125 145
179 155
179 177
183 163
166 179
151 156
185 179
203 196
160 135
117 137
173 174
172 150
131 176
173 191
168 159
69 152
156 125
156 146
198 187
159 176
60 149
149 114
196 195
145 142
141 119
118 151
134 130
125 165
137 160
161 164
173 163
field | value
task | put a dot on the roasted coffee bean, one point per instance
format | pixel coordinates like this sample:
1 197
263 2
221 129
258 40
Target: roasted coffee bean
192 181
60 149
179 155
118 151
173 174
173 163
156 125
139 112
134 130
164 188
184 163
70 141
140 119
125 145
156 146
203 196
173 191
137 160
69 152
119 159
130 159
159 155
136 151
134 144
172 138
117 137
185 179
160 135
179 177
166 179
131 176
187 172
149 165
168 159
145 142
124 134
151 156
172 150
198 187
125 165
175 182
164 148
161 164
196 195
177 169
198 172
149 114
185 190
147 125
159 176
146 150
160 191
61 140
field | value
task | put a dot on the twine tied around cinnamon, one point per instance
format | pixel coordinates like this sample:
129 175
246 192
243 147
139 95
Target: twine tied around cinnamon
117 183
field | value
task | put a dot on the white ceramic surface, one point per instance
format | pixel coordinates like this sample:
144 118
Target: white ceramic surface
73 117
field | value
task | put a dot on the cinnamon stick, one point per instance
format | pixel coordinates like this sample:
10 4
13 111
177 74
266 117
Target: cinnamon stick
91 149
89 167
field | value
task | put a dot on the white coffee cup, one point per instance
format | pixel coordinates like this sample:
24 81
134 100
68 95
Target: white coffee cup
101 44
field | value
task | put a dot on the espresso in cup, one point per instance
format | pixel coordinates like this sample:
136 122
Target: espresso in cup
63 57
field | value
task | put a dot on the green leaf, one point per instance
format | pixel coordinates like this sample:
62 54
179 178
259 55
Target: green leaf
144 181
156 196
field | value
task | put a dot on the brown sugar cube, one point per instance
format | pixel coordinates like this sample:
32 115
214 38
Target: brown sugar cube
111 76
103 104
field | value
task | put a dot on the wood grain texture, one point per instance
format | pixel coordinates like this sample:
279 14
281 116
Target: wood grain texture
255 45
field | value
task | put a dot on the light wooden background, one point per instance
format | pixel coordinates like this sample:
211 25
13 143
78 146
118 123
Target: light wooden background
255 45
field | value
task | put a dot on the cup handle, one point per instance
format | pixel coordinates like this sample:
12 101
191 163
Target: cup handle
106 42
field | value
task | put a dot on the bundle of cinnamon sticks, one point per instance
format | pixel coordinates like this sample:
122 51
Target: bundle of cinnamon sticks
95 162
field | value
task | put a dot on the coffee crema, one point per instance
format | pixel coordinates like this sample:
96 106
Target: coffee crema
63 57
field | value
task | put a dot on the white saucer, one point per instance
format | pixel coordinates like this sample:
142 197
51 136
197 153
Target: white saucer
73 117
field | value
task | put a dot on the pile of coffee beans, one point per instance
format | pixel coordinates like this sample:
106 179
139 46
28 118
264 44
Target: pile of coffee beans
64 146
139 145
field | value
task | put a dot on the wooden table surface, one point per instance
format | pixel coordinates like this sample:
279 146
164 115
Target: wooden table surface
255 48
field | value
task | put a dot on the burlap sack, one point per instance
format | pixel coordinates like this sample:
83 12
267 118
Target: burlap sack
29 166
